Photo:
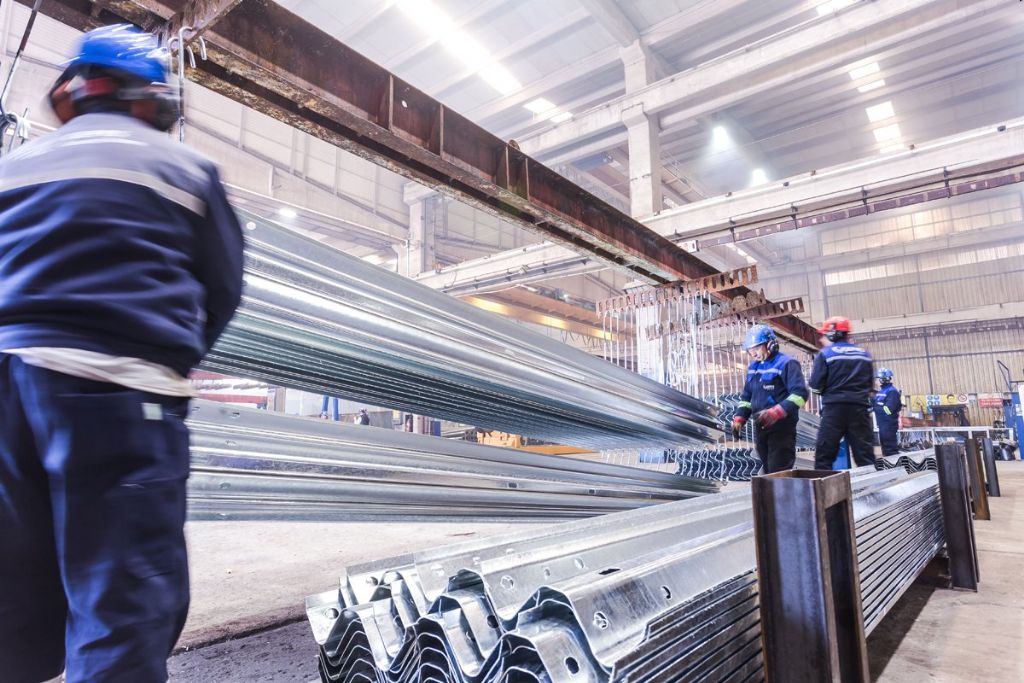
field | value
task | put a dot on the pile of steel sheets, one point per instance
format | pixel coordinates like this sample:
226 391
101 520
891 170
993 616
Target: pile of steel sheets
899 530
912 461
251 464
658 594
317 319
721 464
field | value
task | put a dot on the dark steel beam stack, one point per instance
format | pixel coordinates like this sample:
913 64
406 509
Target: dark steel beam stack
316 319
655 595
251 464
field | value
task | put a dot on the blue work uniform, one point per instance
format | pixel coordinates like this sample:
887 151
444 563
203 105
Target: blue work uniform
779 380
843 374
119 242
888 403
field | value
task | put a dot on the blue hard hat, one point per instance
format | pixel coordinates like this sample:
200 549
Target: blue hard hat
124 48
757 335
885 374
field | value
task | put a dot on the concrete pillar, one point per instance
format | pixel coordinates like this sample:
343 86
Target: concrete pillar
642 134
644 162
417 254
640 66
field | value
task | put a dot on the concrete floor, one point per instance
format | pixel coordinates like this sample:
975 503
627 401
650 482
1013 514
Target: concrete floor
946 636
249 580
250 576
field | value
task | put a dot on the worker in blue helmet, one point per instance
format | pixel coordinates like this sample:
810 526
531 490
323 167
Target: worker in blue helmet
774 393
120 265
887 404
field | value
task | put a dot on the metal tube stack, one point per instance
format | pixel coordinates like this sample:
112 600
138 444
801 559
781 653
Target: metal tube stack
316 319
658 594
251 464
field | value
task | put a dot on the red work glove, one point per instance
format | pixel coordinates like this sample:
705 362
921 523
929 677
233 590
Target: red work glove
737 426
766 418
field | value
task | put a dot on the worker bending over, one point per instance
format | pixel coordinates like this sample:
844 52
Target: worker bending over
774 392
844 376
888 404
120 265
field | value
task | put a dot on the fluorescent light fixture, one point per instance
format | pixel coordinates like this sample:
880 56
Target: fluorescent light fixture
540 106
758 177
287 212
888 149
427 16
864 70
888 133
465 47
439 25
833 6
546 109
880 112
500 78
873 85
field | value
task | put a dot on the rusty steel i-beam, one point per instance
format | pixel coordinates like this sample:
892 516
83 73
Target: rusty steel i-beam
271 60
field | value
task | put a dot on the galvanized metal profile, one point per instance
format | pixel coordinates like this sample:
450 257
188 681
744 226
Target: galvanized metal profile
251 464
317 319
271 60
655 595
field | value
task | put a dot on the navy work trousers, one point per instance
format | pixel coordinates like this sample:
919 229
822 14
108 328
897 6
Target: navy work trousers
776 446
888 428
844 420
93 572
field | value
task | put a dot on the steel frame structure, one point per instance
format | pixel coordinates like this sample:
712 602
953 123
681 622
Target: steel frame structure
273 61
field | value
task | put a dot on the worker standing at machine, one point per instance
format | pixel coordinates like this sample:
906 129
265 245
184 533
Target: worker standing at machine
887 404
774 393
843 374
120 266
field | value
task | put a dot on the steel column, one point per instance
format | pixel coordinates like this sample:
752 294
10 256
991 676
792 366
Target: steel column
988 454
976 474
811 610
956 516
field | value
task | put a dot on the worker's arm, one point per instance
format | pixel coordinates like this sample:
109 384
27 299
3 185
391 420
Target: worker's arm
819 374
793 380
219 260
744 408
893 402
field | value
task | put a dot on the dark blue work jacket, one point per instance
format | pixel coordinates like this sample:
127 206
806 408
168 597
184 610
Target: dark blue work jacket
887 405
843 373
116 239
776 381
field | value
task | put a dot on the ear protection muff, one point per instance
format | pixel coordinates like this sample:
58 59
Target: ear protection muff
772 345
155 103
67 93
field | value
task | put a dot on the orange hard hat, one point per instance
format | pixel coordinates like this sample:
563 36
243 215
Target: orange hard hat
835 324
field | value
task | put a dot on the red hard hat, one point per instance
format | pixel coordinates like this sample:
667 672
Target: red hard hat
835 324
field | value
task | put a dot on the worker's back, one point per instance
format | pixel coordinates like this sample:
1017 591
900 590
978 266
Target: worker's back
112 239
843 373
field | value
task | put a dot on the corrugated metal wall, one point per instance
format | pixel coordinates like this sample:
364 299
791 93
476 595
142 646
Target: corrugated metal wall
957 363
